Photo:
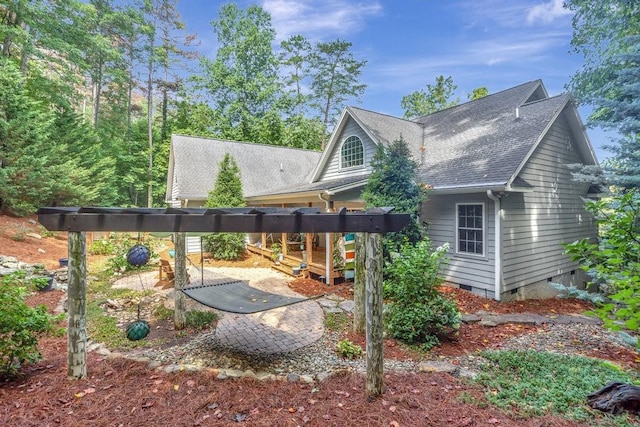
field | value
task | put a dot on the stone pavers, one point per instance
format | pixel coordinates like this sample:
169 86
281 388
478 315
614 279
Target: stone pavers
280 330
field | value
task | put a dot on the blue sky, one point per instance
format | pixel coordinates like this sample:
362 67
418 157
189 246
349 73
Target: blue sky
408 43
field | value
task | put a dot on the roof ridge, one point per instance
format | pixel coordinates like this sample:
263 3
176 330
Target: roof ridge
306 150
382 114
563 94
539 81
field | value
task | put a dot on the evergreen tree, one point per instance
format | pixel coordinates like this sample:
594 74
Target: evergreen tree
394 183
606 34
226 193
334 78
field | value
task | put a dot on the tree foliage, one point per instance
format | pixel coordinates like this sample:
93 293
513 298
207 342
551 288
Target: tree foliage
335 78
226 193
613 263
394 183
606 34
435 98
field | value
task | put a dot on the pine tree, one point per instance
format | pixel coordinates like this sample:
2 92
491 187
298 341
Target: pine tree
394 183
226 193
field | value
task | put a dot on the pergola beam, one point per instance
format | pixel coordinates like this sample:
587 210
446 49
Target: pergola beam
77 221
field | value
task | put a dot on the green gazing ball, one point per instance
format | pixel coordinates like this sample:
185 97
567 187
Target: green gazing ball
138 330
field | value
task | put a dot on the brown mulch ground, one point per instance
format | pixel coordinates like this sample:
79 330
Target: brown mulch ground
122 392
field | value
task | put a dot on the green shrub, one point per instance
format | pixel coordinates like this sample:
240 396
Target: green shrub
348 350
613 262
120 244
102 246
200 319
416 312
20 326
225 246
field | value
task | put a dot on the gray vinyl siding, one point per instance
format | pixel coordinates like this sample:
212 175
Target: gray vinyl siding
537 223
440 214
332 168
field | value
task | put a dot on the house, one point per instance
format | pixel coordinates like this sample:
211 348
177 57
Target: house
502 193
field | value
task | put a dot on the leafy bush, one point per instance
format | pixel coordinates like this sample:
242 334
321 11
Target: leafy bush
225 246
20 326
121 243
613 263
102 246
416 312
200 319
348 350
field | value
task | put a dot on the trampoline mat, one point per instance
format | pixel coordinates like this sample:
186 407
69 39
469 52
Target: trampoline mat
238 297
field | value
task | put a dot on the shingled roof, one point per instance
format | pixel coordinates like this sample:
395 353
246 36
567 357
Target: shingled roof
263 168
481 143
484 142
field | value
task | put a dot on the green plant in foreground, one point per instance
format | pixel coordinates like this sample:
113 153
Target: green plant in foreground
20 326
416 312
348 350
200 319
336 321
534 383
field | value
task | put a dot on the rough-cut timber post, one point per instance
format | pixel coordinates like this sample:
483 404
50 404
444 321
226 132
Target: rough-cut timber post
77 297
375 355
359 319
179 299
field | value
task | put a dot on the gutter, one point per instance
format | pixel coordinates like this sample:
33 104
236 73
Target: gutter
497 211
327 242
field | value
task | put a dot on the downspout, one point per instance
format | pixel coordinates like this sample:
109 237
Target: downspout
327 243
497 208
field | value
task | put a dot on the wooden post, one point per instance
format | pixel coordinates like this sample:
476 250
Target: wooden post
284 243
359 281
373 305
179 299
77 298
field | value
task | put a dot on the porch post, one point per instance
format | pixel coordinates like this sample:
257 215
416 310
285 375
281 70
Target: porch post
179 299
373 309
77 297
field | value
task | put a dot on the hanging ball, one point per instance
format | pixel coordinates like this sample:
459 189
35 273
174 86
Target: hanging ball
138 255
138 330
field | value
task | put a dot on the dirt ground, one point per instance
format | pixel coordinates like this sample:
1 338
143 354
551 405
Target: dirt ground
121 392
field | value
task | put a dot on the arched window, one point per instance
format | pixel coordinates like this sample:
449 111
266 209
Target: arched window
352 152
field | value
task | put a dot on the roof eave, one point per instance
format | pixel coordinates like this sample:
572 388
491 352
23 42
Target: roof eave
480 188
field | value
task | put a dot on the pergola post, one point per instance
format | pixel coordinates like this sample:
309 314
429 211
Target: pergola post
373 310
179 298
77 300
359 320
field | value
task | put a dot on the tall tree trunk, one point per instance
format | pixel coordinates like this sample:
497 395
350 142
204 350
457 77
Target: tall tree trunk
77 300
150 125
359 318
180 300
374 348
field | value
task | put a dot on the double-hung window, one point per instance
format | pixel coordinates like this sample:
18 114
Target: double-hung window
352 153
470 230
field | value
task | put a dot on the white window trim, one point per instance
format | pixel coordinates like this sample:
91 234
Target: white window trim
484 230
363 154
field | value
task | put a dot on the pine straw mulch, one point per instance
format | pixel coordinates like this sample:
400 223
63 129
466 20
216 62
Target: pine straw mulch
119 391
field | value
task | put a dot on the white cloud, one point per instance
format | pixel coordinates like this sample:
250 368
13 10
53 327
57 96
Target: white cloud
547 12
319 20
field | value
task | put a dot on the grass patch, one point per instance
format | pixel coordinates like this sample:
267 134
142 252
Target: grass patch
336 321
530 383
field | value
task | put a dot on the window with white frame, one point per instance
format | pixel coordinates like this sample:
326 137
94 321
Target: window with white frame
470 228
352 153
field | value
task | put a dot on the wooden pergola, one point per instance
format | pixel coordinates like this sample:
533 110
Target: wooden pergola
78 220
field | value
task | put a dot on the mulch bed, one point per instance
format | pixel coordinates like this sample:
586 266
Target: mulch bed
122 392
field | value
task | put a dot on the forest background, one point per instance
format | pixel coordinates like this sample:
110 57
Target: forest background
90 92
